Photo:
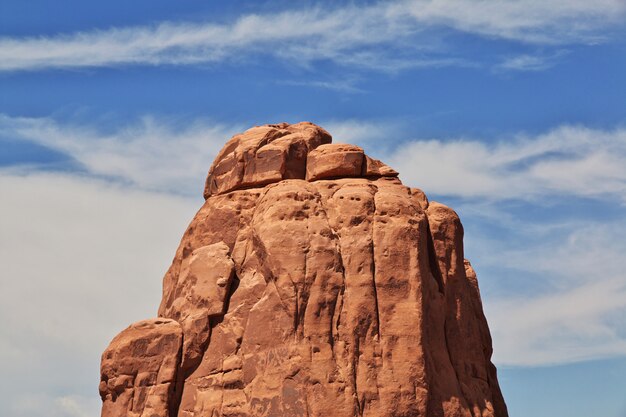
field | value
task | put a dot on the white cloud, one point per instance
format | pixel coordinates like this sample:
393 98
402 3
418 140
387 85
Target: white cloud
528 62
44 403
344 86
383 36
569 326
81 260
534 21
576 319
164 155
151 153
160 154
569 160
296 36
73 406
374 134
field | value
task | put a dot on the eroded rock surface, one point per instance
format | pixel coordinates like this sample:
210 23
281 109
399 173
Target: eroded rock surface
313 283
139 370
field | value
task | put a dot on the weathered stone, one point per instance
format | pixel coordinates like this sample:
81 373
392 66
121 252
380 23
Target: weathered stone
201 293
204 280
334 161
263 155
374 168
139 370
313 283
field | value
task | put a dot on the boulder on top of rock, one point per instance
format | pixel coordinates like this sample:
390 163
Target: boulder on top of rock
263 155
334 160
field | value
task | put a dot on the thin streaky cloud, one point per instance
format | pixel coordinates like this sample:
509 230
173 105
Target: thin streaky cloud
527 62
344 86
530 21
387 36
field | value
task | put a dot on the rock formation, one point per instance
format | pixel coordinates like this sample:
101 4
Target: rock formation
310 283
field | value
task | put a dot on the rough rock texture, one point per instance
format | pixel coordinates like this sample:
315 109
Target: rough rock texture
139 370
310 283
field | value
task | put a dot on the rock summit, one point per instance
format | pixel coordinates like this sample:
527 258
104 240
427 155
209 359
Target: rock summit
312 282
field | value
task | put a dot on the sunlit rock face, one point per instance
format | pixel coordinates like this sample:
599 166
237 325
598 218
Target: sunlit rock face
311 282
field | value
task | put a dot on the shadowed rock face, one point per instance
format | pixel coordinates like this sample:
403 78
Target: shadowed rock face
310 283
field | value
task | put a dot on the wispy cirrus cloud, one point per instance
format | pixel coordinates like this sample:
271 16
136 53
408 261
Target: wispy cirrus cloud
531 21
344 86
526 62
386 36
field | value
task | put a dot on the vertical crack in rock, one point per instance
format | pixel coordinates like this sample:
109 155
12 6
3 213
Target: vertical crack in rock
179 383
454 368
432 260
310 283
374 271
306 288
338 310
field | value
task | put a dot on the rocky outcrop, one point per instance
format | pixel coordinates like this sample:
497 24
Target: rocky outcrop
139 370
310 283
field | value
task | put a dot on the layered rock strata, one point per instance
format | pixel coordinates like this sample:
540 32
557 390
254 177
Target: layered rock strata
310 283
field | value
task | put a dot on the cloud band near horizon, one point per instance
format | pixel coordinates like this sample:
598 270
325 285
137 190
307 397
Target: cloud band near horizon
567 160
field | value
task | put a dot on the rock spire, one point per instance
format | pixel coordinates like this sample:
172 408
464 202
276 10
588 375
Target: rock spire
310 283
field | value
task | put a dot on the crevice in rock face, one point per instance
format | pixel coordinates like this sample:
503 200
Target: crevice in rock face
231 290
260 185
296 318
432 258
305 292
338 305
338 300
459 389
377 310
178 383
355 372
295 165
374 270
182 374
334 323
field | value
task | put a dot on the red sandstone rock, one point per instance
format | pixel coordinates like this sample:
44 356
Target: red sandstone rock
334 160
139 370
262 155
375 168
313 283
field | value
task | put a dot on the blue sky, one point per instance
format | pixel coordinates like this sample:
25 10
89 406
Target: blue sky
512 112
